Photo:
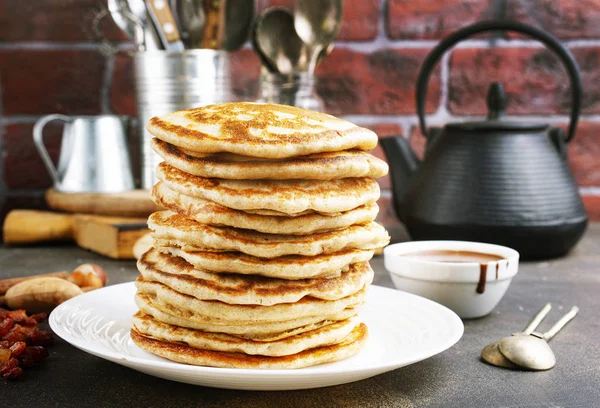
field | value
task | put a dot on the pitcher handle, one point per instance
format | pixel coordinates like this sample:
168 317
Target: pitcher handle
502 25
41 148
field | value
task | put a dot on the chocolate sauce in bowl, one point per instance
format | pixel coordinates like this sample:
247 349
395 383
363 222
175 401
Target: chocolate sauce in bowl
444 255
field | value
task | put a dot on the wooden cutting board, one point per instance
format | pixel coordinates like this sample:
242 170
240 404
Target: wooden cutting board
135 203
110 236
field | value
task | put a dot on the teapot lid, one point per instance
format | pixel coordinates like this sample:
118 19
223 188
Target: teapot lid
496 103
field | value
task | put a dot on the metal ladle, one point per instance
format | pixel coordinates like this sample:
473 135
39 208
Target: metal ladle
491 352
532 352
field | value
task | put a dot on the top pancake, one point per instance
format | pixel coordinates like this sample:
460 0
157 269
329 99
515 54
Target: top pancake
259 130
318 166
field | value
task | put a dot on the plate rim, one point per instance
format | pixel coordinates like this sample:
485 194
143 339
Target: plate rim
172 365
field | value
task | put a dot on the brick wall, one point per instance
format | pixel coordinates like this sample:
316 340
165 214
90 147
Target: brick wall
51 62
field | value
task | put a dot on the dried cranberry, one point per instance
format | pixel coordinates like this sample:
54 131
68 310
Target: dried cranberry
18 348
12 363
37 353
4 356
18 333
39 317
13 373
25 360
5 326
19 316
39 337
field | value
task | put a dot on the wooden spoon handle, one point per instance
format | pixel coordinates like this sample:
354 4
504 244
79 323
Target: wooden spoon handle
29 226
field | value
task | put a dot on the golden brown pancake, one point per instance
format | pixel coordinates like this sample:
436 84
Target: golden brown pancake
207 212
179 275
282 196
324 335
259 130
253 330
183 353
172 229
283 267
189 306
318 166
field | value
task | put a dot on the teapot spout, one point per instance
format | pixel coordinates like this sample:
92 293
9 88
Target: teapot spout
403 162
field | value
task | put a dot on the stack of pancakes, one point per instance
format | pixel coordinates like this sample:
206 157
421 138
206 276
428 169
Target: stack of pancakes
261 258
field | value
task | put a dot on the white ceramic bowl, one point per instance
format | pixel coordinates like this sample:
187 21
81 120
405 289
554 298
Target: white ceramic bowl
454 285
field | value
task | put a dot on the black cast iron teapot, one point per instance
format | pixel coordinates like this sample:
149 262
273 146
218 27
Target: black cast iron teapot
495 180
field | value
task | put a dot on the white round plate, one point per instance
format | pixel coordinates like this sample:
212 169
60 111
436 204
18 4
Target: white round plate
403 329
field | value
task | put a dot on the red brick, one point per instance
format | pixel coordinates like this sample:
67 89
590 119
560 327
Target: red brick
122 91
584 154
422 19
23 167
534 80
54 20
38 82
245 71
592 206
566 19
426 19
360 18
383 82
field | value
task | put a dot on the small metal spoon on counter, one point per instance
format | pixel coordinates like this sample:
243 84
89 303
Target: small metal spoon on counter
491 353
532 352
317 24
278 41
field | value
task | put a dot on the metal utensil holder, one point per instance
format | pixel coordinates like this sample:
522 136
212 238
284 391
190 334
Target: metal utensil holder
167 82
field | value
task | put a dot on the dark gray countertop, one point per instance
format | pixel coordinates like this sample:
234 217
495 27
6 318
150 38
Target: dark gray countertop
454 378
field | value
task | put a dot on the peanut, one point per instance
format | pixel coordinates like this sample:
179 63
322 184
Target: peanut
88 275
40 294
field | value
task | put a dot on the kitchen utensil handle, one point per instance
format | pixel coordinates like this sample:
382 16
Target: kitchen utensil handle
160 13
501 25
41 148
29 226
537 319
213 29
561 323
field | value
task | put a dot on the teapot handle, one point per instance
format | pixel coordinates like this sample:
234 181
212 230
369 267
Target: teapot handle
493 25
41 148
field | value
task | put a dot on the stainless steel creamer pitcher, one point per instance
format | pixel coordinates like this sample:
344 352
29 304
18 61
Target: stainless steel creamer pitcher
94 156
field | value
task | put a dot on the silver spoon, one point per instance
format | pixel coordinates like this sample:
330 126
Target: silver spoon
533 352
238 20
191 19
491 352
276 37
317 24
264 60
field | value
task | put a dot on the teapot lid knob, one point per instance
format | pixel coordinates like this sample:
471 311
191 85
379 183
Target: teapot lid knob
496 101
